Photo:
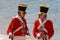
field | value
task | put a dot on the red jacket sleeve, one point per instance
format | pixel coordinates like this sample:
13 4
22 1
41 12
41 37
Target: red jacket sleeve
35 30
50 29
10 26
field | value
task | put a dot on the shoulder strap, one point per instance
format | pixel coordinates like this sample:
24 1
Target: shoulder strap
19 18
20 26
42 24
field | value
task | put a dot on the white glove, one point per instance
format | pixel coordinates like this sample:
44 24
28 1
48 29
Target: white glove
38 35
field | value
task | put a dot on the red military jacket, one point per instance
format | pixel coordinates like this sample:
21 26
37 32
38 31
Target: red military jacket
48 26
16 23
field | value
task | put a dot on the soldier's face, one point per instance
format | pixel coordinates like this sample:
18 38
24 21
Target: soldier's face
43 16
22 14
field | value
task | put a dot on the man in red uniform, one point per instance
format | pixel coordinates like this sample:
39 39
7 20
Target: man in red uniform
18 26
43 27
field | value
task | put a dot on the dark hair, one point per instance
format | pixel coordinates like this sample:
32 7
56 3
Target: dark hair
23 12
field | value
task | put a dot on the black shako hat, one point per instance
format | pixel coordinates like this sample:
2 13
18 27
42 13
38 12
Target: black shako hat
44 9
22 7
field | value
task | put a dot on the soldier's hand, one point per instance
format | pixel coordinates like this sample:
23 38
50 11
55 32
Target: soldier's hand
11 36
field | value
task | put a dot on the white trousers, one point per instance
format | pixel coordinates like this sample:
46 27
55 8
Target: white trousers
42 39
19 38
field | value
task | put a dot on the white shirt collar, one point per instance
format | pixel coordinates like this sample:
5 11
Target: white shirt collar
19 18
